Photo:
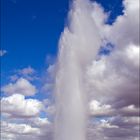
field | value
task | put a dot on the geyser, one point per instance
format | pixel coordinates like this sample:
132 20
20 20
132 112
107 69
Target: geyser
78 46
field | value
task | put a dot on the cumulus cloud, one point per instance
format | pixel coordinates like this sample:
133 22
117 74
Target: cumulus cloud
126 28
36 128
25 71
39 122
97 109
2 52
28 73
21 86
26 125
116 128
19 128
14 131
113 80
48 79
115 77
17 106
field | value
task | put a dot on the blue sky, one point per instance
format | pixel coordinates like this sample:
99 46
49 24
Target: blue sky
31 30
30 33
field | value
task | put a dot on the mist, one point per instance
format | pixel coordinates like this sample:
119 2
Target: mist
78 47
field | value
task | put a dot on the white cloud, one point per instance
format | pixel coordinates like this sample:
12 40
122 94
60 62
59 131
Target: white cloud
132 52
114 80
14 77
19 128
14 131
115 77
126 28
17 106
49 81
130 110
7 136
21 86
116 128
2 52
27 71
36 128
97 109
106 124
40 122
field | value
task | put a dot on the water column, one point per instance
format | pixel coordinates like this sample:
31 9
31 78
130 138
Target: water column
78 46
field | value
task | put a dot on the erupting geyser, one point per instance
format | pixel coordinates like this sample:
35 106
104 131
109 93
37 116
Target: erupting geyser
78 46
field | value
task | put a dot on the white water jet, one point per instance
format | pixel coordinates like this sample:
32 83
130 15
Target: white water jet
78 46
